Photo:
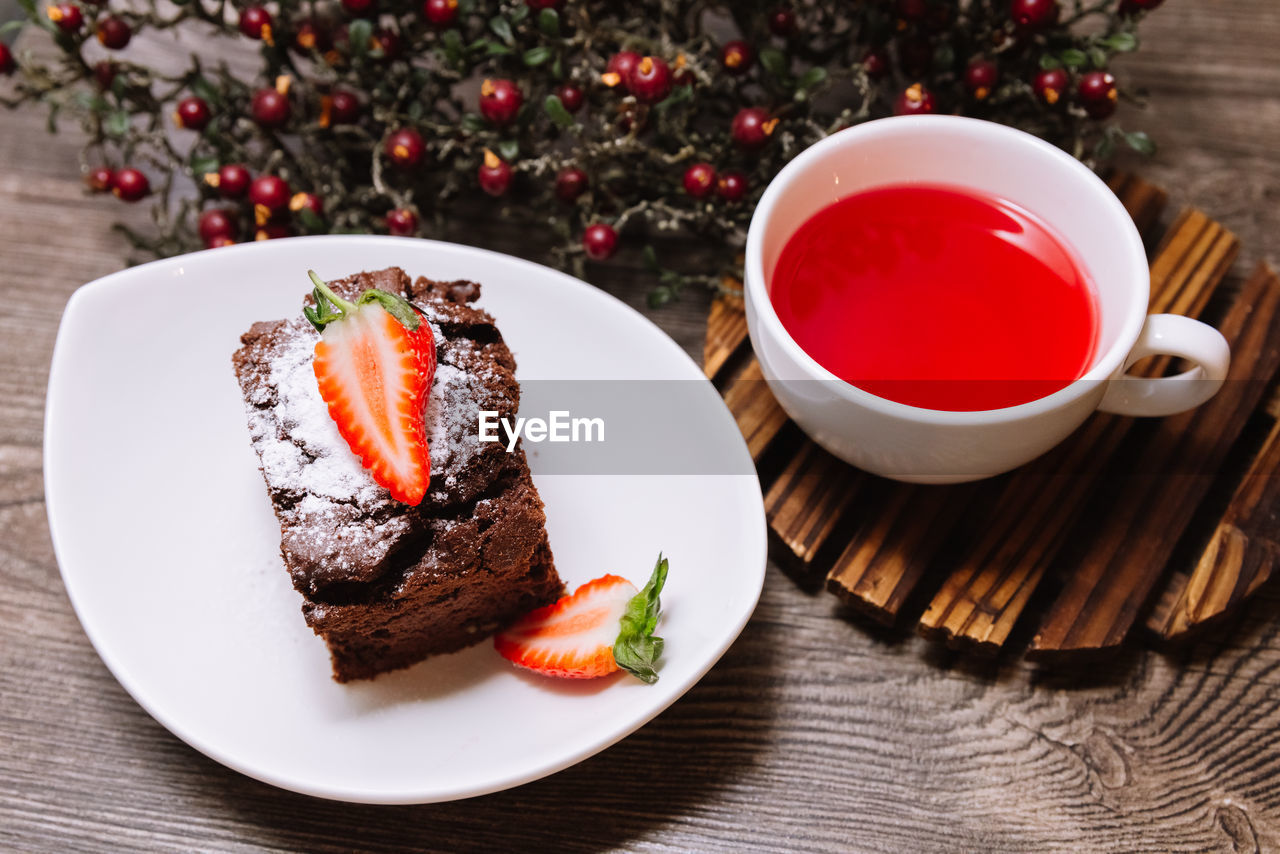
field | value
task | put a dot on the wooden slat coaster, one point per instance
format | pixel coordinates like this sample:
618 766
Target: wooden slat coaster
726 333
807 500
1104 593
1144 202
758 414
1024 528
1241 555
884 562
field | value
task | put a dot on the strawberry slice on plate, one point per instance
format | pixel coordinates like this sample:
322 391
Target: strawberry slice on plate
603 626
375 361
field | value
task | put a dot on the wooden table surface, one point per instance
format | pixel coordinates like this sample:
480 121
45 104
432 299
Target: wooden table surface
815 731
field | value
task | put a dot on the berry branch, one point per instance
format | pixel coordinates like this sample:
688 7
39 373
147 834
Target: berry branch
603 123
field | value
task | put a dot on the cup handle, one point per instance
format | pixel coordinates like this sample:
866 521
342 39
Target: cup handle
1170 335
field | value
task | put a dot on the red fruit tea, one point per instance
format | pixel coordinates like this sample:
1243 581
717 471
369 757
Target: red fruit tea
937 297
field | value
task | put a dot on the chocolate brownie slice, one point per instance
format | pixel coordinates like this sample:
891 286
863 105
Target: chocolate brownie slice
386 584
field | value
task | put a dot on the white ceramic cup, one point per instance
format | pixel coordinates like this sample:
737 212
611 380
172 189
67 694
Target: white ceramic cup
933 446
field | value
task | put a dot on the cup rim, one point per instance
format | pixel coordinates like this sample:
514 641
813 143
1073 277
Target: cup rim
1104 365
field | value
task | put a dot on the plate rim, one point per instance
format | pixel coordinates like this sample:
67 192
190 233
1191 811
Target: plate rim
59 366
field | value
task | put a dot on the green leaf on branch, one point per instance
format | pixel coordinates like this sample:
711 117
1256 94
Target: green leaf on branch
1105 148
204 164
1049 62
117 123
200 86
549 22
651 259
508 149
1073 58
473 123
492 48
1098 57
12 26
678 95
1121 42
452 46
359 33
775 62
556 110
813 78
1140 142
502 29
536 56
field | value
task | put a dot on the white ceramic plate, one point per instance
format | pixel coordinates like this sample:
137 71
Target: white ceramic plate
169 548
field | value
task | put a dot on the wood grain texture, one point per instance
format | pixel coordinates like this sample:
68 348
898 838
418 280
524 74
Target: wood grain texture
758 414
1152 498
1241 555
726 333
811 734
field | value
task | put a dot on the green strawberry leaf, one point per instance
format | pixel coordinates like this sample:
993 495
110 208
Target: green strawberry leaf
636 650
397 306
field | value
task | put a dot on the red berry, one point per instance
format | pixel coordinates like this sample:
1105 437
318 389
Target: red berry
1098 94
99 179
570 184
600 241
752 127
402 222
440 13
358 7
1050 86
255 22
104 74
388 42
782 21
876 63
731 186
129 185
306 201
500 100
273 230
69 18
6 59
219 242
981 77
912 10
736 57
915 100
217 223
494 174
699 179
233 181
192 113
312 35
344 107
571 96
1034 14
269 191
270 108
114 33
650 80
405 148
620 66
